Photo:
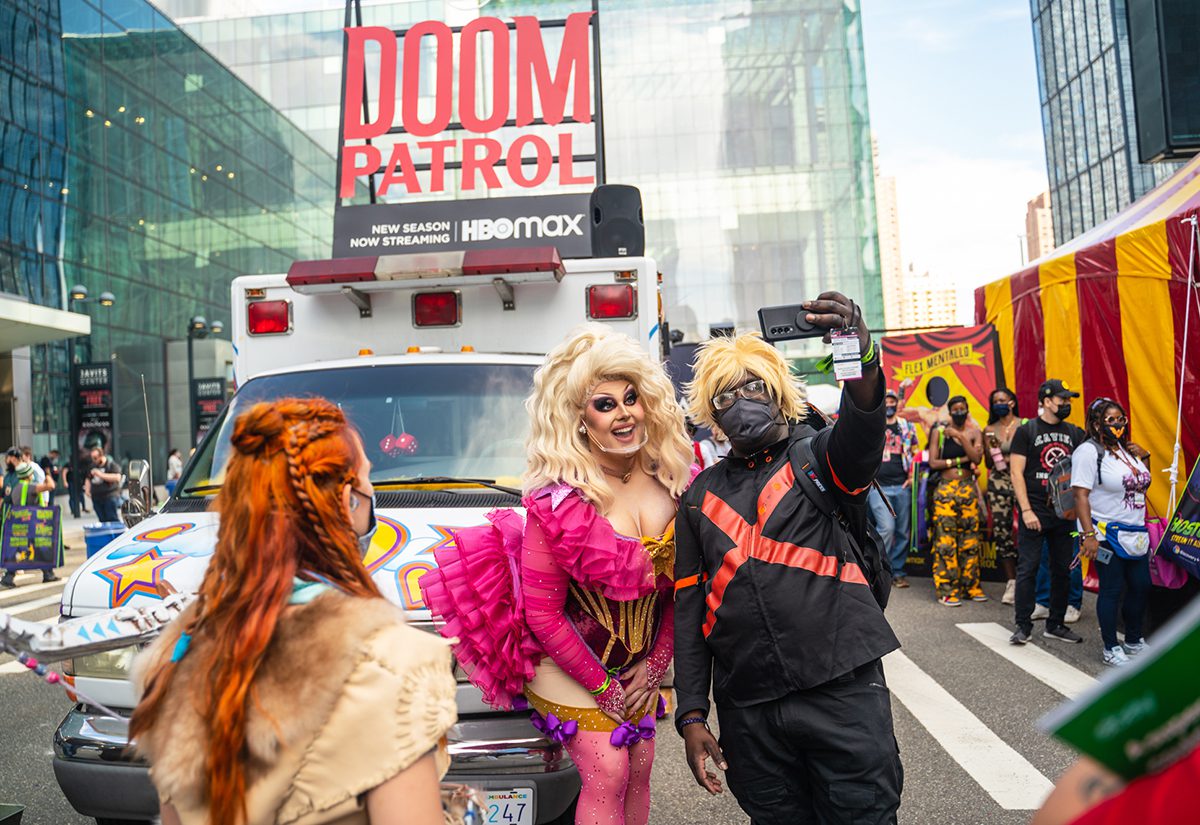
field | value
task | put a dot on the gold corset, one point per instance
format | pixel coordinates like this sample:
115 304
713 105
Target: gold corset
632 623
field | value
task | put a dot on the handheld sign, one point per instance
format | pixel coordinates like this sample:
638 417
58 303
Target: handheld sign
30 540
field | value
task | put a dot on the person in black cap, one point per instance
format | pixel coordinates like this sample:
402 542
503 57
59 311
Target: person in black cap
1037 446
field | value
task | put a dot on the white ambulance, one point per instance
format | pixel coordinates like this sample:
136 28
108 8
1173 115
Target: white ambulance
432 357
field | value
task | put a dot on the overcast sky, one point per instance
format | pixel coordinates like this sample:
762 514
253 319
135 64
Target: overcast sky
954 105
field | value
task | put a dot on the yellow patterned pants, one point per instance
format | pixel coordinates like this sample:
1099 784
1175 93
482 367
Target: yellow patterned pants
956 539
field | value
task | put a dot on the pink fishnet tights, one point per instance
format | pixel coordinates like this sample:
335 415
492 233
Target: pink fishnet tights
616 781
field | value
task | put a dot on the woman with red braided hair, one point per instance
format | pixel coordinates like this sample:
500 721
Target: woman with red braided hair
571 608
291 692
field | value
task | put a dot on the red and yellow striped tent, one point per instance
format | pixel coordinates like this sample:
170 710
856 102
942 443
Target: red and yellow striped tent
1105 313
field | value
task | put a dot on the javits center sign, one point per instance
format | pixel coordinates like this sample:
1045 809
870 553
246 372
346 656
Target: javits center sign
483 159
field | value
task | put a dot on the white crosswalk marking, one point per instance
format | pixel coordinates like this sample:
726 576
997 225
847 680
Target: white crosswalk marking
1045 667
1007 776
27 590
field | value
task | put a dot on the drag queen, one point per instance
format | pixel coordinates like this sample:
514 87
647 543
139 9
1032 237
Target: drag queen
571 608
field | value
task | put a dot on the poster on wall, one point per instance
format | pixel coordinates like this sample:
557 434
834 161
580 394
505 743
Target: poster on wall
210 396
92 389
966 359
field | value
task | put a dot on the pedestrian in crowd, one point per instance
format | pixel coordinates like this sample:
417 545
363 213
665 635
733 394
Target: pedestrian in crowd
895 485
1037 447
25 484
714 448
1003 420
775 614
104 485
1111 476
74 478
50 466
1041 608
174 470
231 735
955 451
608 459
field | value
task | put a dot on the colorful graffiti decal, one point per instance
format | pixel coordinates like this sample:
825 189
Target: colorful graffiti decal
159 534
137 577
389 540
408 577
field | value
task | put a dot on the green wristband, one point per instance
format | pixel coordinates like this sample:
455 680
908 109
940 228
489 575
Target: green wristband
603 686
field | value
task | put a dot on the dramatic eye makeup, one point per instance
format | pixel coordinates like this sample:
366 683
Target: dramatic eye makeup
606 403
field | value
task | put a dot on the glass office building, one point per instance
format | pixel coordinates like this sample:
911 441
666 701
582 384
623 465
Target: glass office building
745 125
1086 91
132 161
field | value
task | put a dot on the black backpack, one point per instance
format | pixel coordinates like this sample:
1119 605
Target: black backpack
865 543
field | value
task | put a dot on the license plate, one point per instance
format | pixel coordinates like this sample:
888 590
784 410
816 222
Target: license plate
509 807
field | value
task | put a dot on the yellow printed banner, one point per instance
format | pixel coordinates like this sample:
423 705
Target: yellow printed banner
964 355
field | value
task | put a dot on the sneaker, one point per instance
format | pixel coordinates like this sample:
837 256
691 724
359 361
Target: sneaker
900 583
1072 615
950 601
7 581
1019 637
1063 634
1134 648
1010 592
979 597
1040 612
49 577
1115 656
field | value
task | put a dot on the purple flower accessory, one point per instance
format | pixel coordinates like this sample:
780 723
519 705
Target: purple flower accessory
553 728
662 707
628 734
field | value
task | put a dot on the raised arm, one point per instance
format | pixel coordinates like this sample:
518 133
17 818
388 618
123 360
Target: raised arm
544 587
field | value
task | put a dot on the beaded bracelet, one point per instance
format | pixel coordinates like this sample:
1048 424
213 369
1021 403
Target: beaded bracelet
691 720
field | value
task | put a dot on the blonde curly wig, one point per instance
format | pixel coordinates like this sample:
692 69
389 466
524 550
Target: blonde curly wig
558 452
723 363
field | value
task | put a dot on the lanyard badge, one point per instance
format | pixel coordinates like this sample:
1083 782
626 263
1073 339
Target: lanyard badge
847 354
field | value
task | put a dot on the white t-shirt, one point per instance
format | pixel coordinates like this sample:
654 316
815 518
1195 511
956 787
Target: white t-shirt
1121 494
713 451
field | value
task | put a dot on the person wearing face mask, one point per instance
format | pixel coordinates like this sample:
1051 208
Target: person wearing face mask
25 483
230 733
587 639
775 610
1110 476
955 451
1037 446
1002 423
895 485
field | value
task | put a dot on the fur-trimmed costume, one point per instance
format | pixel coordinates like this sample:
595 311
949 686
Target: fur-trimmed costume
347 696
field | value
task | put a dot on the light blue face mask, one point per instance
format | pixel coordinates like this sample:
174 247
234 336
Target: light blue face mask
364 541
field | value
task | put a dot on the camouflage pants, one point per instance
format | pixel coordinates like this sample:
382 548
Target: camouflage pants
956 539
1001 500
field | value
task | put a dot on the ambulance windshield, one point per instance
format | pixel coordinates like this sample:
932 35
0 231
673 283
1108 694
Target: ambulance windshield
416 420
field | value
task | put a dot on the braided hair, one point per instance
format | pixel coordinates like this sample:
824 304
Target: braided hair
282 515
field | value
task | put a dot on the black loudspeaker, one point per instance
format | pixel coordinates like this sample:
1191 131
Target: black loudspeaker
617 226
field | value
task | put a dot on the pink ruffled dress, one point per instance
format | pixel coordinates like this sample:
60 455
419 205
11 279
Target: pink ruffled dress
560 583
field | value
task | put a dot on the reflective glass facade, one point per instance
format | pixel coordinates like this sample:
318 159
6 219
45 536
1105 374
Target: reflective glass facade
745 126
132 161
1086 92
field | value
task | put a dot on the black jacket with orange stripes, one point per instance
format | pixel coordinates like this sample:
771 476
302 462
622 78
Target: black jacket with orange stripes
768 598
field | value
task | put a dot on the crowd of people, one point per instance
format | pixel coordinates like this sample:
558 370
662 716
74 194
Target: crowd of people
1038 545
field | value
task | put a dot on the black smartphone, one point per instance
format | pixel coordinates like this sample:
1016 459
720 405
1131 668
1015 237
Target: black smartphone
787 323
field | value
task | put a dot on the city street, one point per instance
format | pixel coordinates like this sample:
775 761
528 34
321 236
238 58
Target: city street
950 687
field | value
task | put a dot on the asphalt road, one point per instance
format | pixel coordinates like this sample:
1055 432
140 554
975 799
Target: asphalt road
1010 761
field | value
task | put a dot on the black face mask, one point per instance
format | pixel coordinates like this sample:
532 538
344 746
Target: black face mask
750 425
1064 411
959 418
890 410
1001 410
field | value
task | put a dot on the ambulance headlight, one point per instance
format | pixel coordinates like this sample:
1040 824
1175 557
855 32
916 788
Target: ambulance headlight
111 664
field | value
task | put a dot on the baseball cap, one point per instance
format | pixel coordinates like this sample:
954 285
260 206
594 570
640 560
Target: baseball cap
1055 387
12 452
891 394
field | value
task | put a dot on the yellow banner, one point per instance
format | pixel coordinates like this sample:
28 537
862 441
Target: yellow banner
964 354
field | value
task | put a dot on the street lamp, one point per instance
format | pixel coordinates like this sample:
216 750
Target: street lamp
198 327
78 294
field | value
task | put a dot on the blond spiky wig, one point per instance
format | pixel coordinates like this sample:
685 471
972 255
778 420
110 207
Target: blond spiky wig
723 363
558 452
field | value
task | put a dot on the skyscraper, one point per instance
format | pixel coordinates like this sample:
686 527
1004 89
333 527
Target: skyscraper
1086 93
1039 226
745 125
891 270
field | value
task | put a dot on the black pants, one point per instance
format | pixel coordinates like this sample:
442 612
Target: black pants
107 508
825 755
1057 534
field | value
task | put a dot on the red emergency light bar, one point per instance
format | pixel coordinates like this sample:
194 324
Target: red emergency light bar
479 266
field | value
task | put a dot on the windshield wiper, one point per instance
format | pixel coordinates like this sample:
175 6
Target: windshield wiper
203 488
419 480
